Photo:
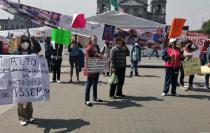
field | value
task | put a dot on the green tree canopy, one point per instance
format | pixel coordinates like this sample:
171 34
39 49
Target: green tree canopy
206 27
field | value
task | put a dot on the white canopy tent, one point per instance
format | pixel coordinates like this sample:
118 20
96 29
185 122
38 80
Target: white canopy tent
123 20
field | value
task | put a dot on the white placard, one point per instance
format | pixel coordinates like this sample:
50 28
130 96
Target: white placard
23 78
98 65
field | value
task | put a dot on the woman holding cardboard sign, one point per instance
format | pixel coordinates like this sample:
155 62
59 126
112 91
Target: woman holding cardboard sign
25 110
92 50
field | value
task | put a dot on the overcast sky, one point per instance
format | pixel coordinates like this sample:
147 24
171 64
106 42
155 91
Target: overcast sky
193 10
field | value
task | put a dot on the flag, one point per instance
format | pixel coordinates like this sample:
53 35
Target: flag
78 21
115 4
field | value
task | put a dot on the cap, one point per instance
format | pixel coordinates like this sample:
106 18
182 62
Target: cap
172 40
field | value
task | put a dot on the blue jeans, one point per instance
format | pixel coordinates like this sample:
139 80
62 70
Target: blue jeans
171 79
91 81
134 67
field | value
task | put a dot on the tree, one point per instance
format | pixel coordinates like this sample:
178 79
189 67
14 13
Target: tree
206 27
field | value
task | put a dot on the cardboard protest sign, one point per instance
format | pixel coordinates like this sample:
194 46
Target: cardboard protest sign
23 78
176 27
108 33
205 70
192 66
96 65
61 37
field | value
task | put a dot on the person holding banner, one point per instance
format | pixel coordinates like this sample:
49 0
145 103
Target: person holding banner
203 51
172 57
118 66
188 50
74 57
208 64
92 51
25 110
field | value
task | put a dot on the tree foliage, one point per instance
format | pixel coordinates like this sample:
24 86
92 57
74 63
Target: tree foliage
206 27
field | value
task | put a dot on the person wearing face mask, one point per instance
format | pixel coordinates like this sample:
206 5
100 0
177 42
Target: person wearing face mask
172 57
188 55
92 50
118 66
25 110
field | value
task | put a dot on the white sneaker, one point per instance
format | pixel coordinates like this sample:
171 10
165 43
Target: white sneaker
207 87
163 94
58 81
23 123
31 120
52 81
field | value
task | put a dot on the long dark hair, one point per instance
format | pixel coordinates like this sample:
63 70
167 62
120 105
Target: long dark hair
22 40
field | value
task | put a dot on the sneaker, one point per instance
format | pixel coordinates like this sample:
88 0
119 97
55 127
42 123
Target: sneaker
23 123
97 100
31 120
176 95
58 81
70 81
207 87
113 97
163 94
89 104
190 87
121 95
52 81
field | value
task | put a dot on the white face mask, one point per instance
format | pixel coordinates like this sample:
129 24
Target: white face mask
25 45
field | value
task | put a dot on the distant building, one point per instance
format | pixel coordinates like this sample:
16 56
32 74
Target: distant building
138 8
16 23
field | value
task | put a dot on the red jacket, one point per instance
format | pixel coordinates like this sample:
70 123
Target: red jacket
172 61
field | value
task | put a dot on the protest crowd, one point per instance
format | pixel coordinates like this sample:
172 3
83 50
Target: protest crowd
95 59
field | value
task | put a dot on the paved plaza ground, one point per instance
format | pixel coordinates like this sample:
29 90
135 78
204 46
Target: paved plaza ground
142 111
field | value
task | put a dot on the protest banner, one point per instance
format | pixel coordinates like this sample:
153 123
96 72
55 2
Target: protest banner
108 33
61 37
176 27
23 78
192 66
97 65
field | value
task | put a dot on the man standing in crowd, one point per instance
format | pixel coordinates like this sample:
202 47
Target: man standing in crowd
1 47
92 51
118 66
172 57
48 52
135 58
57 51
